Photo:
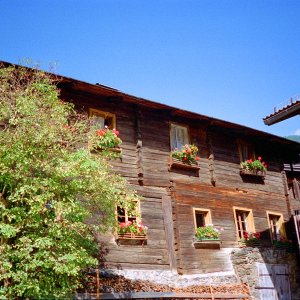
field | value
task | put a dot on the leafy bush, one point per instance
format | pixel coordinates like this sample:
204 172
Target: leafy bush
54 195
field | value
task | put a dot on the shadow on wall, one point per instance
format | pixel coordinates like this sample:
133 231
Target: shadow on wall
270 268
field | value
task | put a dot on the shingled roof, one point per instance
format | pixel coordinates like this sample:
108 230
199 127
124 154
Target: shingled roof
290 110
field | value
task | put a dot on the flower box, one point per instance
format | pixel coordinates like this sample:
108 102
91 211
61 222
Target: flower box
131 239
207 244
287 246
116 150
256 173
250 243
176 163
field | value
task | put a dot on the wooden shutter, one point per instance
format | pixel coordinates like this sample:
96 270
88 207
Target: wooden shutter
273 282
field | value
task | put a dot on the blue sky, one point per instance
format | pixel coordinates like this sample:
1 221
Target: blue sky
233 60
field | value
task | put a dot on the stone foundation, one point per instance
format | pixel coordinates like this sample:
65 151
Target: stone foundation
245 264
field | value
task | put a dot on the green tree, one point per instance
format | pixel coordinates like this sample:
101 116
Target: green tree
54 194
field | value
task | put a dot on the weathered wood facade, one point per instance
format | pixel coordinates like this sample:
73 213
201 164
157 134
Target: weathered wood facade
170 195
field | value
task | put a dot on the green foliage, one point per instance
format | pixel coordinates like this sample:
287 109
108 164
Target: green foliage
54 194
207 232
256 165
187 154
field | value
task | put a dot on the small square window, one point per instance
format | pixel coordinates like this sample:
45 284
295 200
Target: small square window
202 217
124 216
243 221
100 119
276 226
179 136
245 151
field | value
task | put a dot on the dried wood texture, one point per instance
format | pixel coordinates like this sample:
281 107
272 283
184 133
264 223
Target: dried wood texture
145 154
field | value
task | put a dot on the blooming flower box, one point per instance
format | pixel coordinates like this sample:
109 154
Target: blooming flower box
207 244
256 173
284 245
255 168
207 237
116 150
250 243
131 233
176 163
250 240
131 239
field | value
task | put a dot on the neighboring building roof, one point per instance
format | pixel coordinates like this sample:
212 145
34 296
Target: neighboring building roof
116 95
290 110
291 167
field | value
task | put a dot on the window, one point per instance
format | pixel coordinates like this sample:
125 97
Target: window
245 151
243 221
276 226
124 215
179 136
202 217
102 119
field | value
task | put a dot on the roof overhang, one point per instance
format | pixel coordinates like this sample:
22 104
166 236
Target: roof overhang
283 114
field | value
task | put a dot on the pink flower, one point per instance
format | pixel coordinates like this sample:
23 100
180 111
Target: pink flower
259 158
116 132
122 224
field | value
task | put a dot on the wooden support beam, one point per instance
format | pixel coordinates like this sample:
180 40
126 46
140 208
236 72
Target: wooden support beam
169 231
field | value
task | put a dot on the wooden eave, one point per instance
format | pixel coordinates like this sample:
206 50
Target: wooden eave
286 112
111 93
222 125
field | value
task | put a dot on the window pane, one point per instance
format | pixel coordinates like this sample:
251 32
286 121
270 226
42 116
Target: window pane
179 136
200 218
98 121
121 214
173 137
242 223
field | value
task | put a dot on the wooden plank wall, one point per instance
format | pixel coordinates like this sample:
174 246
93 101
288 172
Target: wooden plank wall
146 149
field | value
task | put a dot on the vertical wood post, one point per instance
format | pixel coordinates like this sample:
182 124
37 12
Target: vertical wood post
211 158
169 230
97 284
139 145
211 167
286 192
296 188
297 226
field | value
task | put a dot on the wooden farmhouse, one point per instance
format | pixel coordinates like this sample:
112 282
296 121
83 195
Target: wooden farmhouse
253 210
179 197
